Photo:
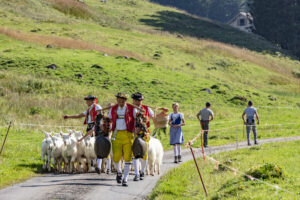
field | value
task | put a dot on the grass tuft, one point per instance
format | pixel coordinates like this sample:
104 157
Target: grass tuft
266 171
74 8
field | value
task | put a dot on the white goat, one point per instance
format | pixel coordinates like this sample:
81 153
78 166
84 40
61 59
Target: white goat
46 149
89 152
56 152
80 151
69 151
155 155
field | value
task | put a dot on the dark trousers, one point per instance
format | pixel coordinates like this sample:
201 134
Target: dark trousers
248 128
205 127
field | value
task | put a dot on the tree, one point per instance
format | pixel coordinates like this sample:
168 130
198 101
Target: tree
219 10
278 21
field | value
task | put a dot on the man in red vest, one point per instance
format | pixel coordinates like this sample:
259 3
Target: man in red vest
90 114
122 118
147 114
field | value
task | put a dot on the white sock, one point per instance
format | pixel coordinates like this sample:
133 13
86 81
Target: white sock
126 170
99 162
175 150
144 164
136 166
118 167
179 150
108 162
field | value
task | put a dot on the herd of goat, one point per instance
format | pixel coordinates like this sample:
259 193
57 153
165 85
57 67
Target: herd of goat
69 155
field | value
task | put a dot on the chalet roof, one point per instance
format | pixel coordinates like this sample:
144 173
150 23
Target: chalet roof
244 14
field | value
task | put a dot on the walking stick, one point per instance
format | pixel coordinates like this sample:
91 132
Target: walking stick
5 137
202 145
198 168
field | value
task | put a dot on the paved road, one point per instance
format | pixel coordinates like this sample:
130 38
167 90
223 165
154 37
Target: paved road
94 186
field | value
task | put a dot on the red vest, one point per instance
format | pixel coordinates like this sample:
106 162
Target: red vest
92 113
146 114
129 120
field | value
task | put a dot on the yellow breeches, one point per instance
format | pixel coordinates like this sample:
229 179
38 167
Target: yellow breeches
146 155
122 145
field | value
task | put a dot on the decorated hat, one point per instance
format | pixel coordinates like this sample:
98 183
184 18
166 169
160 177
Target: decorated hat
122 95
137 96
90 97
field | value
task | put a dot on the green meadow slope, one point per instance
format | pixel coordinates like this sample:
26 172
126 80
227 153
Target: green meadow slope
221 183
135 45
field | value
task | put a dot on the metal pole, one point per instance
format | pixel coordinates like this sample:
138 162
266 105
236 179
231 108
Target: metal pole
198 169
5 138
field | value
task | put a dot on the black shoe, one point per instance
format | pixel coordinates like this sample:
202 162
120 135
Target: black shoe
119 178
176 161
124 183
179 158
136 178
108 171
249 144
98 170
256 143
142 176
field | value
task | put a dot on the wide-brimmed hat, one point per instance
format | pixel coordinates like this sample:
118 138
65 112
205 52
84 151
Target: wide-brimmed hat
90 97
137 96
122 95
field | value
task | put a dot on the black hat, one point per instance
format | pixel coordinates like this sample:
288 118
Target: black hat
137 96
122 95
90 97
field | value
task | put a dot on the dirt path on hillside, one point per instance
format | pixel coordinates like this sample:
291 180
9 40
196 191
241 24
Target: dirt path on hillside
67 43
94 186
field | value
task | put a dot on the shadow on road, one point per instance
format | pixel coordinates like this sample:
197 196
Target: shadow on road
71 184
36 168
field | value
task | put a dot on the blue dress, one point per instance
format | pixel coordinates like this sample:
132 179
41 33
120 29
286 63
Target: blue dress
176 136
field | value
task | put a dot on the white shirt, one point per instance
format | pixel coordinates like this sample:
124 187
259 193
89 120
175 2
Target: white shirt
120 123
97 108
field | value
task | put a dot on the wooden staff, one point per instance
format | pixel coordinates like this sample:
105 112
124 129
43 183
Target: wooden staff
198 169
5 137
109 107
158 108
202 145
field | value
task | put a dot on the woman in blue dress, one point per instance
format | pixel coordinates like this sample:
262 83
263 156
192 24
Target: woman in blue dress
176 121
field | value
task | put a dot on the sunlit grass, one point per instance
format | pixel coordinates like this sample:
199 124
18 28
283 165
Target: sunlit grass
184 182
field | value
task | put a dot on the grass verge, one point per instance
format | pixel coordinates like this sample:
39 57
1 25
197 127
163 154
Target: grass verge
184 183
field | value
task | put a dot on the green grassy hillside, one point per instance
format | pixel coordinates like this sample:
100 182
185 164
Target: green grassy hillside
134 45
184 183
